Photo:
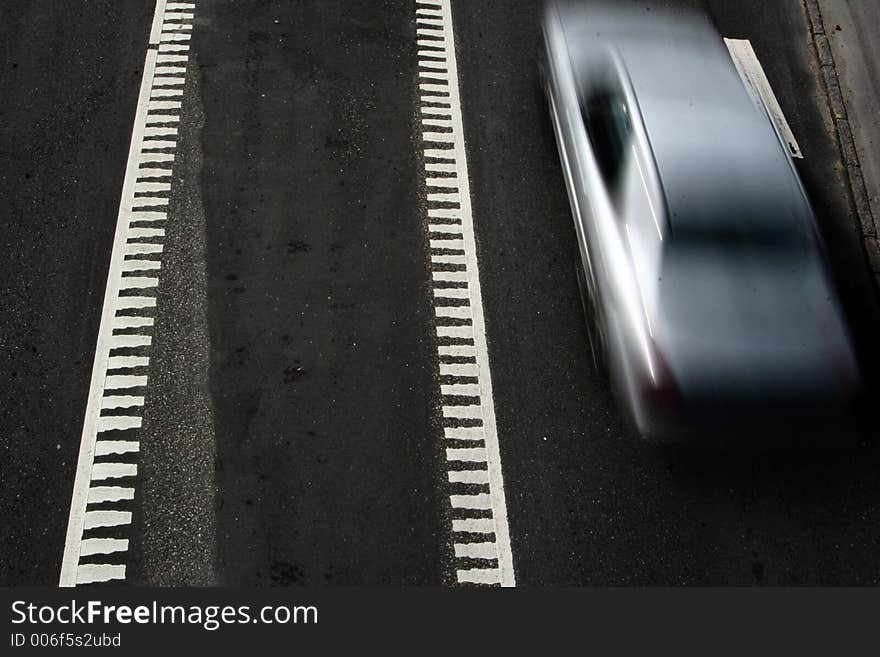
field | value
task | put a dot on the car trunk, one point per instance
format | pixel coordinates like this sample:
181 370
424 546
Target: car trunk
756 325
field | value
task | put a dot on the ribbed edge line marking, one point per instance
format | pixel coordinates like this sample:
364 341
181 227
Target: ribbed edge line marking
96 483
455 279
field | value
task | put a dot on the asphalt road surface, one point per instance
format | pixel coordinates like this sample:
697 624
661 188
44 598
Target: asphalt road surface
292 427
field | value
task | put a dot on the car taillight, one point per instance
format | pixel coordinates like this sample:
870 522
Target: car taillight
661 390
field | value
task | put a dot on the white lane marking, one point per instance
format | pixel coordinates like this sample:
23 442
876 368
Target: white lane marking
142 248
121 362
469 476
464 389
139 282
166 82
442 182
444 213
758 86
158 15
106 519
458 312
129 341
114 436
445 228
463 433
477 496
117 423
113 471
115 381
475 550
459 369
451 293
121 401
99 494
474 526
448 259
480 576
467 454
107 447
457 349
464 332
94 573
449 276
92 546
124 322
472 412
478 501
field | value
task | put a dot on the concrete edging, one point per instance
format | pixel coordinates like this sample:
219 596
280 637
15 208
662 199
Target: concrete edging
849 155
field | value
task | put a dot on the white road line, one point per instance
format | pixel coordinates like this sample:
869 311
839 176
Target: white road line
120 362
158 16
454 245
457 312
457 349
450 276
125 322
480 576
113 382
107 447
113 470
92 546
459 369
758 86
475 550
469 476
117 423
444 213
99 494
93 573
471 412
465 389
448 259
445 228
95 519
480 501
128 341
464 332
467 455
452 292
463 433
474 526
114 436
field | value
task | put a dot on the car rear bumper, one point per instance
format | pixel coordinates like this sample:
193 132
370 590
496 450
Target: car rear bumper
739 423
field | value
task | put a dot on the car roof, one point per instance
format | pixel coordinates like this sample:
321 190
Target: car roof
718 158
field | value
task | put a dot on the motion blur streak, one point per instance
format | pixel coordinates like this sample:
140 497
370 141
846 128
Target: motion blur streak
706 281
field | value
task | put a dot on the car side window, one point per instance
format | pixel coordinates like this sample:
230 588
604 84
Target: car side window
609 128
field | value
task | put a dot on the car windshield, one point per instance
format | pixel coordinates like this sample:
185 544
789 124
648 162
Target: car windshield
607 122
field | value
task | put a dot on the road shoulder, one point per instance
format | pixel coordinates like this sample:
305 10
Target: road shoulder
854 110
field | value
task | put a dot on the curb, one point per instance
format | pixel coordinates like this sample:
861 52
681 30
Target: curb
858 192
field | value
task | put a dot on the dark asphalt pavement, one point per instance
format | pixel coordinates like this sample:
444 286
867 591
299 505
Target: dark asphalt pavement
69 78
292 425
321 366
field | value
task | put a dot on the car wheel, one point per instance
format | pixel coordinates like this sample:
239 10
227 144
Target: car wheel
595 331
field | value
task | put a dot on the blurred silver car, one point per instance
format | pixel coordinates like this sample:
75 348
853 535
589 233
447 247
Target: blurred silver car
704 278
